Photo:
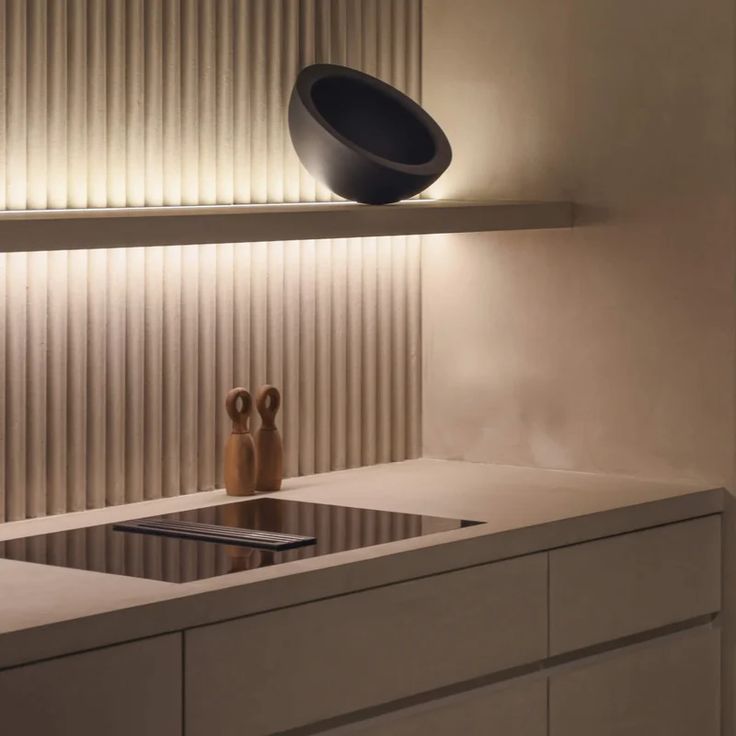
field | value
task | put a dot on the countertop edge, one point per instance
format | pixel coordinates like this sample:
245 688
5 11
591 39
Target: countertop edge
297 588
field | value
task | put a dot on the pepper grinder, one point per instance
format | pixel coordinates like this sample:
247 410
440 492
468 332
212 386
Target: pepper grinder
269 451
240 460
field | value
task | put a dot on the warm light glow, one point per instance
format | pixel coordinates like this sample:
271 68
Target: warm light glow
115 360
71 213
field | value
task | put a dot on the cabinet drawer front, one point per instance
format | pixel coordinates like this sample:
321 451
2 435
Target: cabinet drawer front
669 687
615 587
518 709
286 668
117 691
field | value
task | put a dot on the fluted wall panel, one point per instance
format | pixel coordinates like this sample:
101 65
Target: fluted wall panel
114 363
152 102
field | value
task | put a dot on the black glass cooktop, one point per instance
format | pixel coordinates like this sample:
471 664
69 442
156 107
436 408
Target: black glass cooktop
205 543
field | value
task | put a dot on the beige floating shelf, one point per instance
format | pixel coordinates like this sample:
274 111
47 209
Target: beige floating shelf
29 230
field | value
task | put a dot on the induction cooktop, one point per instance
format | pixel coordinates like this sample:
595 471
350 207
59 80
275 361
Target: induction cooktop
217 540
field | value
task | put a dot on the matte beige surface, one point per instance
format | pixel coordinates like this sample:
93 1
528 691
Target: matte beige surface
623 585
511 709
154 226
663 688
729 616
128 689
611 347
397 641
49 611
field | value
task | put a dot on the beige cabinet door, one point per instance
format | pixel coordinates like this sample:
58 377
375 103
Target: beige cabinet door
615 587
670 687
309 663
117 691
517 708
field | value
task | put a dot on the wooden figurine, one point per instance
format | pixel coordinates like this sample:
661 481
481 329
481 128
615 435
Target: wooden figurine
269 451
240 460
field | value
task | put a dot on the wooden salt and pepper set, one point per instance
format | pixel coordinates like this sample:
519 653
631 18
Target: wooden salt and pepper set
253 464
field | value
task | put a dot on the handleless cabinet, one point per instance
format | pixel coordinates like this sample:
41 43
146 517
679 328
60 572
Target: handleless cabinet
616 587
666 687
121 690
594 635
279 670
516 708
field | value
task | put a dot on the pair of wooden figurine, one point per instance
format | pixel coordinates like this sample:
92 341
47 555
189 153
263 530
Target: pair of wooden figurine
253 465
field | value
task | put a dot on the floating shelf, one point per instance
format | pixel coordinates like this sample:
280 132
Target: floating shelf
29 230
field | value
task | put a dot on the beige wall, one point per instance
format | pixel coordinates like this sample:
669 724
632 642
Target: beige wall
608 348
114 364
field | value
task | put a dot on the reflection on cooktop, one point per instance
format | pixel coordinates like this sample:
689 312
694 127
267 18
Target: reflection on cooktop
205 543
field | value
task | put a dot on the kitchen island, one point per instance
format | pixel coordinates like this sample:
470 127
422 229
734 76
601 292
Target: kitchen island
582 604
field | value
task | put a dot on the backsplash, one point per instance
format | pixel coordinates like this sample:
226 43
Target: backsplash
130 102
114 364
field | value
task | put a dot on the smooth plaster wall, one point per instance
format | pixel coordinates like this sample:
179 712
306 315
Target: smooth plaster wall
609 347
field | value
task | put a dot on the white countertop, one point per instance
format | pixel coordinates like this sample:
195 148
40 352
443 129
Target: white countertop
48 611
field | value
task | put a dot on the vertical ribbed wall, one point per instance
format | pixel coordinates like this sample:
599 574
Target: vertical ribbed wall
114 364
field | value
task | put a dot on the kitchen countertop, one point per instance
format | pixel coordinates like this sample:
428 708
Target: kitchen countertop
48 611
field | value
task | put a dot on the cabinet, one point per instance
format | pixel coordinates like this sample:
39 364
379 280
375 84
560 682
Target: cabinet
300 665
611 588
418 657
516 708
121 690
669 687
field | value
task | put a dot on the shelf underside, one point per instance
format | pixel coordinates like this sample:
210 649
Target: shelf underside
32 230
